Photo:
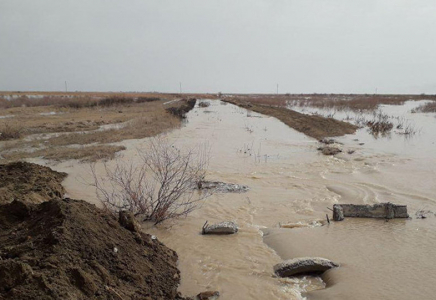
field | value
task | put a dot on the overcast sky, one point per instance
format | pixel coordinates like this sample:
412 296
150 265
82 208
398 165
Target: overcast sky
324 46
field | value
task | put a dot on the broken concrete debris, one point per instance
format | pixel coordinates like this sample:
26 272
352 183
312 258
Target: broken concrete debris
303 265
379 210
327 150
209 295
220 228
222 187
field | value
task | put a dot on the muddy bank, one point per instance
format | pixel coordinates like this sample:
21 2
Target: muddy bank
314 126
69 249
30 182
182 108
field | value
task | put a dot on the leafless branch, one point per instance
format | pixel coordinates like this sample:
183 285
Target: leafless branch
160 187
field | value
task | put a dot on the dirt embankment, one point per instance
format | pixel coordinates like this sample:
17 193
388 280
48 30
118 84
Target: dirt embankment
69 249
29 182
181 109
313 126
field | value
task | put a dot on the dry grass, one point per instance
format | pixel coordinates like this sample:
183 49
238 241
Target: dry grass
331 101
274 100
76 101
314 126
84 154
10 131
31 99
75 122
429 107
380 124
145 126
47 119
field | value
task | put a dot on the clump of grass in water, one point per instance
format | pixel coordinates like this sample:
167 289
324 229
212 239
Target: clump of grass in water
380 124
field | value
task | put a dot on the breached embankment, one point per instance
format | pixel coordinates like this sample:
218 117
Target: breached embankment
69 249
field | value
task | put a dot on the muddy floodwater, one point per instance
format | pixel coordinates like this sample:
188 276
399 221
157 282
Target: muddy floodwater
291 183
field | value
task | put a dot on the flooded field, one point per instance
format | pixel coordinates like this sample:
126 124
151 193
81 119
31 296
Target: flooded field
290 182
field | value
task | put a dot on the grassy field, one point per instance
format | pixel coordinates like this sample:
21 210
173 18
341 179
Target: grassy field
81 127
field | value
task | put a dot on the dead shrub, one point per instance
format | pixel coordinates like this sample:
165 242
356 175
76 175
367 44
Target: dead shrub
380 124
181 110
159 188
9 131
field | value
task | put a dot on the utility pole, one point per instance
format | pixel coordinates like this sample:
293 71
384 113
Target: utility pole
66 88
180 86
277 88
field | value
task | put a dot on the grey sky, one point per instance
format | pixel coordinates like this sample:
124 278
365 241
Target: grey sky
223 45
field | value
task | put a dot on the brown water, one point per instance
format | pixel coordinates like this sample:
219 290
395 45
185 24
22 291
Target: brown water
290 182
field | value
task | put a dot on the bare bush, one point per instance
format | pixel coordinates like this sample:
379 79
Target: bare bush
10 132
160 187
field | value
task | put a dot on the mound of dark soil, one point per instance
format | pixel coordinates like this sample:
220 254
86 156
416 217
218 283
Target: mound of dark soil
29 182
69 249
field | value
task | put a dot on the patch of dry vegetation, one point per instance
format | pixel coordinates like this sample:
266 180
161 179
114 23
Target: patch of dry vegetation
58 154
380 124
49 128
314 126
10 131
429 107
331 101
48 119
146 126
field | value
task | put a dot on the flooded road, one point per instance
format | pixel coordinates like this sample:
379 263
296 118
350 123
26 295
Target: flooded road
291 182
